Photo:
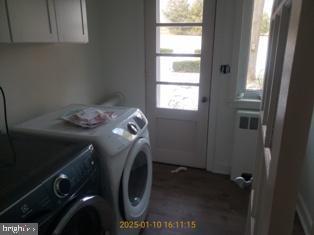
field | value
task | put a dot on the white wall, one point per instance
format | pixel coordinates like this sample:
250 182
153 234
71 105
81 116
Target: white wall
306 195
123 49
42 77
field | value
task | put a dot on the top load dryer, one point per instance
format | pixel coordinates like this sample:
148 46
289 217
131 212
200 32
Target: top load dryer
123 148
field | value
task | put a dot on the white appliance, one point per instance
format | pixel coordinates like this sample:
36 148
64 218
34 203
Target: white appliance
245 142
123 148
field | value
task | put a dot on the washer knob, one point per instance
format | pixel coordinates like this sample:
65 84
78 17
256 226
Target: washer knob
62 186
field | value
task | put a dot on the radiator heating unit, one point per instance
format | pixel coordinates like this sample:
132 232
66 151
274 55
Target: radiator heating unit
245 142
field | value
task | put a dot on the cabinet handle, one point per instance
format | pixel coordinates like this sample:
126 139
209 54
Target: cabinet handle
82 17
8 19
49 17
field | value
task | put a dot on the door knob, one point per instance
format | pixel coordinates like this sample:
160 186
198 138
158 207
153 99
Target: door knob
204 99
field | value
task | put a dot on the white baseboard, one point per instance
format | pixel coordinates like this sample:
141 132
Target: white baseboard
221 169
304 215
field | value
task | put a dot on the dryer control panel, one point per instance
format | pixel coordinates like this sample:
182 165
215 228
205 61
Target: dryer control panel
126 131
140 120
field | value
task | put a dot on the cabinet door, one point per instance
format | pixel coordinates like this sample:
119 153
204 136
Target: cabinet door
72 20
32 20
4 25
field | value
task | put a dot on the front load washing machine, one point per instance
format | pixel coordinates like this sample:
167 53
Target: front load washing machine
56 185
123 148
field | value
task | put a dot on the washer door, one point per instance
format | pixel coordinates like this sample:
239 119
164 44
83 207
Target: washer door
137 181
89 215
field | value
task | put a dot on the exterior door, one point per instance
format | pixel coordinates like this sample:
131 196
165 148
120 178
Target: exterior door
179 40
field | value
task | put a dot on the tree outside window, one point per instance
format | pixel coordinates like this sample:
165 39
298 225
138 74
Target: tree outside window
259 44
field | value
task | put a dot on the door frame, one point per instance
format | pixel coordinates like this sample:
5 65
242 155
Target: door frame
207 50
242 11
284 130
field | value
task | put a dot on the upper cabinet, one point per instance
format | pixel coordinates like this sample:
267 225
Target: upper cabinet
4 25
71 20
32 21
43 21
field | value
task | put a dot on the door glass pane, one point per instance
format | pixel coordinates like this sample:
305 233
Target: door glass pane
177 97
178 69
183 39
179 11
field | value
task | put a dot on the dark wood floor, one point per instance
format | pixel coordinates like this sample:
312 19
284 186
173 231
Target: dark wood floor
215 203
